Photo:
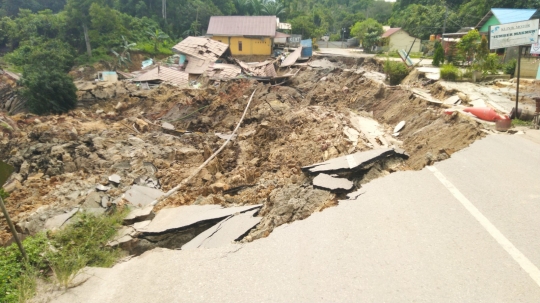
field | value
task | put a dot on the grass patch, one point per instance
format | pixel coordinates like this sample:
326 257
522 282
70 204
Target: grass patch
61 254
518 122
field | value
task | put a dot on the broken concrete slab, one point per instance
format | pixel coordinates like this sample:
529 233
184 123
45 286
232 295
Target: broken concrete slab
232 228
141 196
167 126
139 214
332 183
59 220
104 201
355 194
115 178
100 187
370 128
350 162
399 127
179 217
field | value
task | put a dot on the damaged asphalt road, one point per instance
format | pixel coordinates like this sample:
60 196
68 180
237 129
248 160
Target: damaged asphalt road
407 238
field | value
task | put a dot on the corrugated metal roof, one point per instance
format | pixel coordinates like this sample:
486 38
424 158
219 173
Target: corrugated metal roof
197 66
390 32
242 26
164 74
201 47
281 35
223 71
509 15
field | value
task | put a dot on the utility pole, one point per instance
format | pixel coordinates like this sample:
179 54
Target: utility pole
444 26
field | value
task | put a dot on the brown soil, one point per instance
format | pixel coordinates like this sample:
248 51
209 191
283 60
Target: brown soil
286 127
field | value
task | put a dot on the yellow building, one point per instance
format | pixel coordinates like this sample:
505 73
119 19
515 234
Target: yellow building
245 35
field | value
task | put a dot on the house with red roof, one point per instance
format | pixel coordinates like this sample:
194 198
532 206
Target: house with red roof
396 39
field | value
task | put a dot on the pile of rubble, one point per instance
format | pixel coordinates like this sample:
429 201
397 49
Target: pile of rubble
130 146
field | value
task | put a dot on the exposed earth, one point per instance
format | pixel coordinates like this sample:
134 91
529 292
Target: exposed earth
339 108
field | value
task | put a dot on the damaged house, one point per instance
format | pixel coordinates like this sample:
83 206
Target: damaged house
245 35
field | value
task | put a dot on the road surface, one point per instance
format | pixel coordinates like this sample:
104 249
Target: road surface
464 230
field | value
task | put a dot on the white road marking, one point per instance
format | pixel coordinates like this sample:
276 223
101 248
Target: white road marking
517 255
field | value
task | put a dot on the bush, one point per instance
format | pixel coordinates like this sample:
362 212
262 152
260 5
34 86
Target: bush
450 72
335 37
491 64
396 71
48 91
438 56
510 67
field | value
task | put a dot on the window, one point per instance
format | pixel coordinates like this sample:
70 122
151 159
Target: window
240 46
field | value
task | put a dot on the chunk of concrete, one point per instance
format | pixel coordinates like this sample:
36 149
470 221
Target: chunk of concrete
167 126
104 201
331 183
230 229
59 220
100 187
142 196
178 217
349 162
115 178
452 100
399 127
139 214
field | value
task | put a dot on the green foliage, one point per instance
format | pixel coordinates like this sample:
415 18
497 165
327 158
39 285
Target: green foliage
368 32
450 72
438 56
157 36
3 194
48 91
510 67
123 58
396 71
468 45
335 37
80 244
491 64
14 272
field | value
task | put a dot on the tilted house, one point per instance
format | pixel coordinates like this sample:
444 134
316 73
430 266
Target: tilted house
245 35
396 39
200 53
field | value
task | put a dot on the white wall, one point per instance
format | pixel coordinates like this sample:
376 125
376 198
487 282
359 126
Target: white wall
402 40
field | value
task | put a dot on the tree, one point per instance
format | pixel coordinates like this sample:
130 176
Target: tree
48 90
46 86
438 57
157 36
368 32
468 45
272 8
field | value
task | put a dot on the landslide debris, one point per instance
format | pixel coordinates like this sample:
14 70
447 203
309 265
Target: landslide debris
60 159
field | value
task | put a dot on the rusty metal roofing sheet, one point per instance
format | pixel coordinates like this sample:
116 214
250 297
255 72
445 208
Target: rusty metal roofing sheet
262 69
202 48
292 57
197 66
223 71
390 32
163 73
242 26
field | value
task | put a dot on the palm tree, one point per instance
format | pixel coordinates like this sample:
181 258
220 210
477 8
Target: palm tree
257 6
272 8
157 37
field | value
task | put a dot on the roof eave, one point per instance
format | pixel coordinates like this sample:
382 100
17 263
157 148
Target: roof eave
484 20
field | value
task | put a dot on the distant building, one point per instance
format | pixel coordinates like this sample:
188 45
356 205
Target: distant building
396 39
497 16
245 35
